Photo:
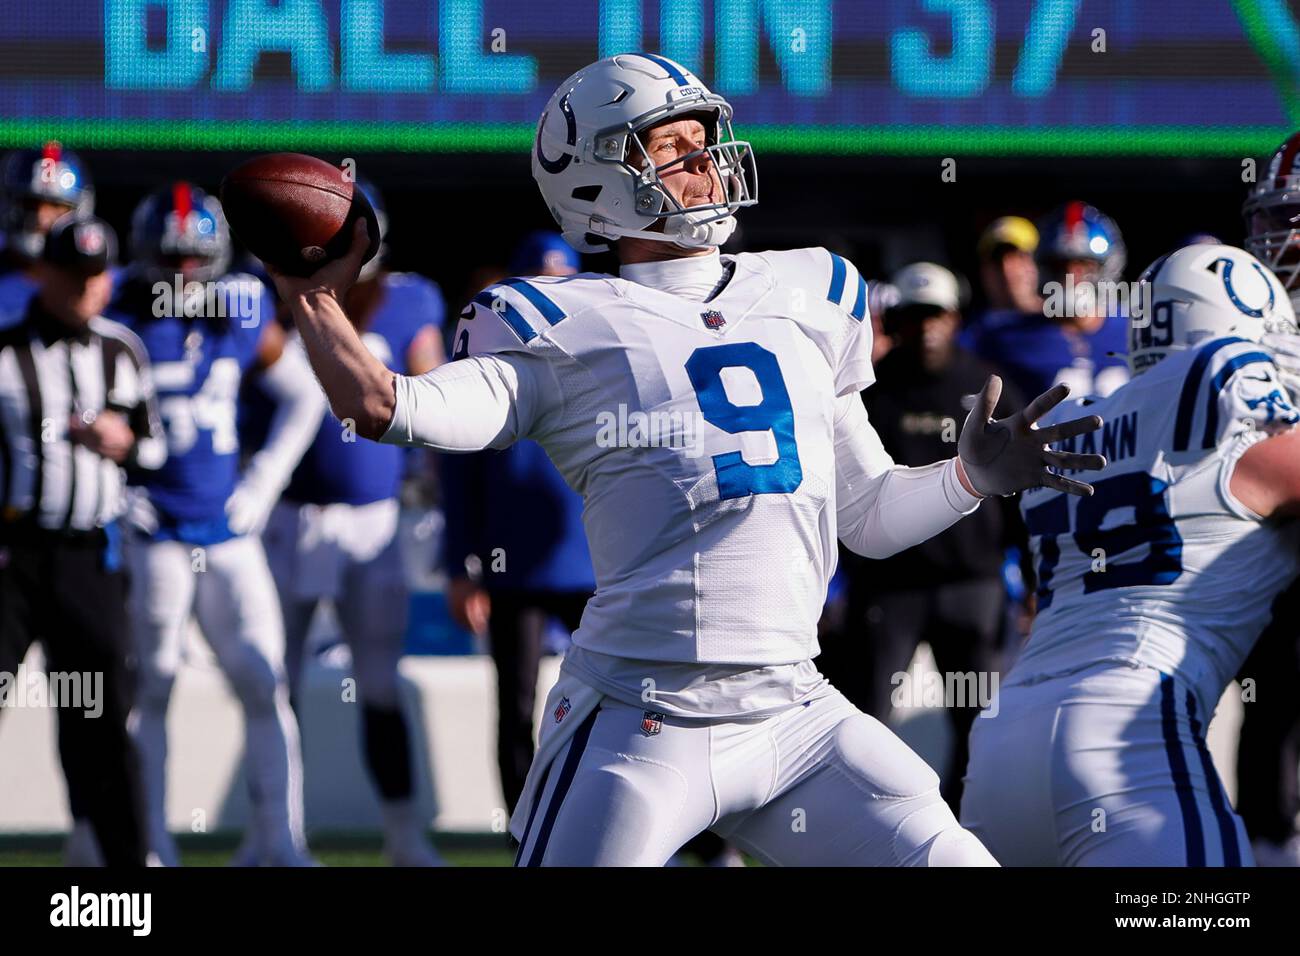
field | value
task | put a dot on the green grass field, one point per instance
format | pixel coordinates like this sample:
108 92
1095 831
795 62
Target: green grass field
215 849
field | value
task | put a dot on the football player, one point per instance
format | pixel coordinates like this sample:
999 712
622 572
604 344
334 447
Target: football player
1152 591
334 536
37 188
706 408
1076 337
1268 782
194 547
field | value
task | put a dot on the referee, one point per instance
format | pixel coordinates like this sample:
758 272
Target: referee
76 406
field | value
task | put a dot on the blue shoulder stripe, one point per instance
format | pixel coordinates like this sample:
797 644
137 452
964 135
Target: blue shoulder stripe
1216 387
839 268
509 314
551 312
1192 387
859 310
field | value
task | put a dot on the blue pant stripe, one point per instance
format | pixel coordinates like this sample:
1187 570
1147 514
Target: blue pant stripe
1227 825
1193 835
562 784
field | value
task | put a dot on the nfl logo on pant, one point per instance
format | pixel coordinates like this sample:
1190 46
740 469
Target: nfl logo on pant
563 709
651 723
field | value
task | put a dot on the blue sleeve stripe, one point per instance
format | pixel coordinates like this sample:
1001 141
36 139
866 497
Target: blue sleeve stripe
509 314
675 73
1192 388
1230 368
839 268
551 312
859 310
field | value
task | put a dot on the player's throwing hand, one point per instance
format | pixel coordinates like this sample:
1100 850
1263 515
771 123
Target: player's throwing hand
335 277
1011 454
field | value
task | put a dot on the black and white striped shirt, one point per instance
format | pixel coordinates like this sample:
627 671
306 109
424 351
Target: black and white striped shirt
49 373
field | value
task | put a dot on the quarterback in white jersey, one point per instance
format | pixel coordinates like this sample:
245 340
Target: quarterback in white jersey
1152 591
706 408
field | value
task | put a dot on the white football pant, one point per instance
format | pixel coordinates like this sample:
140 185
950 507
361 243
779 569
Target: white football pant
228 589
349 554
819 784
1104 767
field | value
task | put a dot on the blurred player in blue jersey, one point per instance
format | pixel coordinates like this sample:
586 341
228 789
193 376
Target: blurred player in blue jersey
195 547
1152 591
334 537
37 187
1076 339
705 406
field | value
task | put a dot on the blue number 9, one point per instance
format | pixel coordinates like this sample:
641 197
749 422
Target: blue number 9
736 478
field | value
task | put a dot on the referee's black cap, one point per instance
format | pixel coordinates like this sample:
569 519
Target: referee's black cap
85 245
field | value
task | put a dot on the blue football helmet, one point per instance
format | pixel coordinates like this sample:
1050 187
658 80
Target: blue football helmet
176 222
29 177
1077 231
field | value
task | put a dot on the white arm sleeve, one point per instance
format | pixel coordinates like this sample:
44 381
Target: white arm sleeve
482 401
299 409
883 508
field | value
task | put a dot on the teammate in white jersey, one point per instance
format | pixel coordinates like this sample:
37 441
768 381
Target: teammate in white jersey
1152 591
706 408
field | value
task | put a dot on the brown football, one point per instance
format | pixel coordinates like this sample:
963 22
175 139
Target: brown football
295 212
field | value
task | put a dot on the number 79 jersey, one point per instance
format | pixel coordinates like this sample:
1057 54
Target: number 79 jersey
1162 566
701 437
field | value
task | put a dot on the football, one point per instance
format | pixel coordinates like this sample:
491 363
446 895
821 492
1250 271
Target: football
295 212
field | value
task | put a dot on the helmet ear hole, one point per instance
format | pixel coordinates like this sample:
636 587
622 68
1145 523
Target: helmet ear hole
587 193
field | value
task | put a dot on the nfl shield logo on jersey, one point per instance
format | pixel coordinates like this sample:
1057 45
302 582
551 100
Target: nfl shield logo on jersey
563 709
651 723
713 319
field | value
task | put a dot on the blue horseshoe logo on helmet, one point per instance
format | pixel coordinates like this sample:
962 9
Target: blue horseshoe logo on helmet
1226 276
571 137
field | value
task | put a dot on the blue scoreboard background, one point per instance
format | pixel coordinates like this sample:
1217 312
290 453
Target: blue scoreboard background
1193 77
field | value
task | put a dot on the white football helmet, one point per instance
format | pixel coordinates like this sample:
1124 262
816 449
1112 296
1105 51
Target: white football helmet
1201 292
586 144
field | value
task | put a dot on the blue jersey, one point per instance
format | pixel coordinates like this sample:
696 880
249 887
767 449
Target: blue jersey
515 501
1035 352
16 290
338 467
198 364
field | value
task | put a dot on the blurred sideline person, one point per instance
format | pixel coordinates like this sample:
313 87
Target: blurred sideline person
1268 753
334 536
76 408
1075 339
1008 273
193 546
1097 754
688 700
37 188
520 525
946 591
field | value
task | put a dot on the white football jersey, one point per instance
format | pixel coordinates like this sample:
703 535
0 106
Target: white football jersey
1162 566
701 436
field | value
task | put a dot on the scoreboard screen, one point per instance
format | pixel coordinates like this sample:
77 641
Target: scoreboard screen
1173 77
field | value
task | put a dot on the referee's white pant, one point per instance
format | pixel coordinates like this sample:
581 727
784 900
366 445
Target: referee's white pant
819 784
228 588
1104 767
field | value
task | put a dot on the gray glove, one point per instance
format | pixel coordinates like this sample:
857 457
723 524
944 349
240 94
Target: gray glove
1011 454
